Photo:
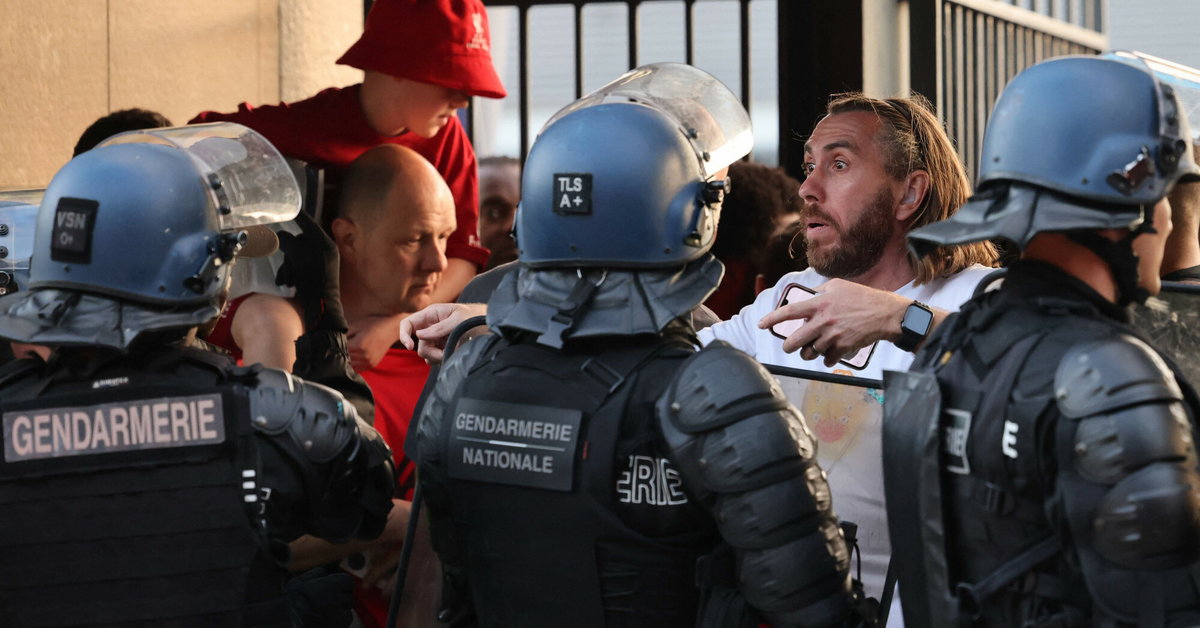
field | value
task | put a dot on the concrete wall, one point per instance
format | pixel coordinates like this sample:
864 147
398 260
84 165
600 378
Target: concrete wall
67 62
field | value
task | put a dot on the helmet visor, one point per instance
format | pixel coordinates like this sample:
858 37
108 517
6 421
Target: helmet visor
249 181
18 219
710 116
1183 79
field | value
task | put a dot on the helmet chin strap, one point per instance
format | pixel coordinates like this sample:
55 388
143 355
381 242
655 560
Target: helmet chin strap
1120 258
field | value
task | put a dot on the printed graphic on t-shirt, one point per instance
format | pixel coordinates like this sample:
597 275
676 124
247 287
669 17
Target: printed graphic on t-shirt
836 414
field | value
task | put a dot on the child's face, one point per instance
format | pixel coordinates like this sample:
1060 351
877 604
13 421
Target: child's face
422 108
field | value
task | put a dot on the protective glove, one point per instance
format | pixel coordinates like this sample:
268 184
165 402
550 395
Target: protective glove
320 598
311 265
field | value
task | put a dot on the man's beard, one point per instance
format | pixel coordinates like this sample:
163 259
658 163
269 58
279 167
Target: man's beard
860 246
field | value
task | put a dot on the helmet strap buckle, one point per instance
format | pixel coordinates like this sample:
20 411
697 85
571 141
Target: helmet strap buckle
220 252
576 303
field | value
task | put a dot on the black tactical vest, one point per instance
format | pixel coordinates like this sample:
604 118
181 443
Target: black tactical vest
990 455
127 495
973 459
558 499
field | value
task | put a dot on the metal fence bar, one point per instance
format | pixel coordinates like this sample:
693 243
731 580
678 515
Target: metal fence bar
744 51
985 44
632 15
633 21
689 37
963 52
578 50
523 82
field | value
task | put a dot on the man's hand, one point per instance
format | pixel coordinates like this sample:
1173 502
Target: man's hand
841 319
309 551
433 325
384 554
370 338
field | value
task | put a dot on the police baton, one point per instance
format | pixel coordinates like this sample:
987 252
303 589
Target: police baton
410 534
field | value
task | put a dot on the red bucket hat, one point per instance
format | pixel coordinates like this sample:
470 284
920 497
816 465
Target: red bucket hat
443 42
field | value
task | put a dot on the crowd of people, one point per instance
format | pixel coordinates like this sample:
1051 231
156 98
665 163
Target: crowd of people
539 392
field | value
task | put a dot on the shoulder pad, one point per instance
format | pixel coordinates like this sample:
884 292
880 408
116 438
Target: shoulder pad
743 451
16 369
1111 373
318 419
729 428
450 378
719 385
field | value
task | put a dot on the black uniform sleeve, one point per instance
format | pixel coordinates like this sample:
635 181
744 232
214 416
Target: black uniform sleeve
432 477
744 452
331 474
311 263
1128 478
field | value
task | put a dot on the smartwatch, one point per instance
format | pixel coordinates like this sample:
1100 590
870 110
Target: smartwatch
918 319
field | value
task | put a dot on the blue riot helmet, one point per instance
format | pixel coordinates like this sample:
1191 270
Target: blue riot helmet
1073 144
626 176
1183 80
18 215
139 234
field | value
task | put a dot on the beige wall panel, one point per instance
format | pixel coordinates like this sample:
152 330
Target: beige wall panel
67 62
52 58
180 57
313 34
268 50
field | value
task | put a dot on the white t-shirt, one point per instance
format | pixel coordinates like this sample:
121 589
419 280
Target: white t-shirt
848 432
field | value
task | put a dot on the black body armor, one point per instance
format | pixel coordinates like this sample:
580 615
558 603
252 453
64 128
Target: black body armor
557 496
1040 467
160 488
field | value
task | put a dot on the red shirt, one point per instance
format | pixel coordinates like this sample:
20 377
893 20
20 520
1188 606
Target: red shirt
329 130
222 333
396 383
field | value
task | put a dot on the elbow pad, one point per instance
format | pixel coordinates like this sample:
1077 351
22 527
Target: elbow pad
1133 439
346 466
744 452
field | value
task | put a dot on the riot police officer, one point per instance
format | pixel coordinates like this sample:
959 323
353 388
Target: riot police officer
585 465
145 482
1040 459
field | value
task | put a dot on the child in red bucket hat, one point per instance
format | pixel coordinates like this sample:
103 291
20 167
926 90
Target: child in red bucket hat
422 61
443 42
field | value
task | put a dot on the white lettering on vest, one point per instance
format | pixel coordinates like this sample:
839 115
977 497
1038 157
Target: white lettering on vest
501 426
21 436
954 441
1008 444
651 481
101 428
515 460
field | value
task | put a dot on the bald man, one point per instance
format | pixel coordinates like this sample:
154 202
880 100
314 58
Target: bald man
395 217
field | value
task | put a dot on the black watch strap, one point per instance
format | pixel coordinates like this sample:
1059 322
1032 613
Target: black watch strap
915 326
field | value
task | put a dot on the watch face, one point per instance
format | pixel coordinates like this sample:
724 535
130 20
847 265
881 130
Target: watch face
917 319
